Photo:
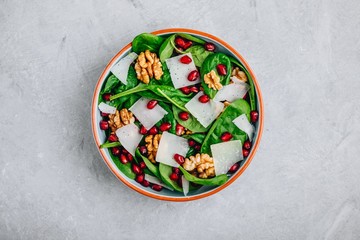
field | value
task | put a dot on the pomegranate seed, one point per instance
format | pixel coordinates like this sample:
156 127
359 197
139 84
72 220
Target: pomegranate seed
176 170
151 104
180 42
124 151
245 152
104 114
194 89
193 75
234 168
106 96
153 130
226 136
156 187
221 68
130 157
165 126
184 116
191 142
115 151
112 138
187 45
174 176
185 59
197 147
136 169
247 145
185 90
145 183
204 98
179 159
209 47
142 165
104 125
140 178
123 159
254 116
143 130
179 182
179 129
246 95
143 150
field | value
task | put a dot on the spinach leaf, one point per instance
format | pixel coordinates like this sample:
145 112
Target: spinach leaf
132 99
192 124
209 64
216 181
124 168
167 49
152 167
191 38
151 95
139 88
165 78
111 82
169 117
224 124
147 41
165 172
251 83
110 144
199 54
198 137
171 94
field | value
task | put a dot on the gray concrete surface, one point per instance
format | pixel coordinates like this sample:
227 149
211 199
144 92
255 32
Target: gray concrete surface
302 184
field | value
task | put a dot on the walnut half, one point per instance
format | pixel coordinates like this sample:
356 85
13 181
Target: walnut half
152 145
202 165
236 72
148 66
119 119
213 80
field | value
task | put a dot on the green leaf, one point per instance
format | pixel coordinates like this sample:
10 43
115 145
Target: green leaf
169 117
174 100
151 95
147 41
124 168
224 124
132 99
139 88
216 181
210 64
152 167
165 172
191 38
199 54
198 137
192 124
167 49
111 82
110 144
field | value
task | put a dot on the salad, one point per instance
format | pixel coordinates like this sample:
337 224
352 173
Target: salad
177 113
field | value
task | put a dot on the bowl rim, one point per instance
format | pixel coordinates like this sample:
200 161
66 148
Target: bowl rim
168 198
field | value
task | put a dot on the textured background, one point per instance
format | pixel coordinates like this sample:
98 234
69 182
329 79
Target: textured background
302 184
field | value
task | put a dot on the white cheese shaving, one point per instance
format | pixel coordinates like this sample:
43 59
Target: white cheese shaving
225 155
129 137
121 68
106 108
155 180
232 92
169 145
244 125
185 185
147 117
205 113
180 71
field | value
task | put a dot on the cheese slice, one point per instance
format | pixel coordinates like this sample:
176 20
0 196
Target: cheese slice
155 180
205 113
121 68
233 91
244 125
129 137
106 108
180 71
147 117
185 185
225 155
169 145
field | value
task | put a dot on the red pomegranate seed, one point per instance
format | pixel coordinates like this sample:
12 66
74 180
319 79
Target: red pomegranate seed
104 114
221 68
185 90
185 59
191 142
176 170
184 116
140 178
226 136
180 42
179 159
123 159
246 95
115 151
153 130
156 187
179 182
142 165
124 151
130 157
209 47
197 147
143 150
145 183
179 129
234 168
194 89
187 45
254 116
165 126
104 125
106 96
247 145
136 169
143 130
245 152
204 98
174 176
151 104
193 75
112 138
